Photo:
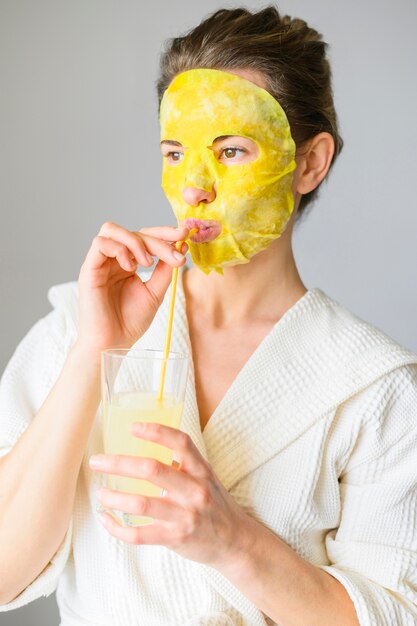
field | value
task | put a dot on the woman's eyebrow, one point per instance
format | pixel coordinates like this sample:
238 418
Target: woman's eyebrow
177 143
171 142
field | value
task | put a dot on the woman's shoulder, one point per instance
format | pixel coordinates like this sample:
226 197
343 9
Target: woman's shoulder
336 354
53 332
35 364
64 300
358 333
372 376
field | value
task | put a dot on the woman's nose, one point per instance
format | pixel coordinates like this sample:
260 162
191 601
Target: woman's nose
193 195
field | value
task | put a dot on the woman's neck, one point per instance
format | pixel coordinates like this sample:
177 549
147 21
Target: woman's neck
261 290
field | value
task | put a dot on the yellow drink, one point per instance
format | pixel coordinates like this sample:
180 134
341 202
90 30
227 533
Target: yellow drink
125 409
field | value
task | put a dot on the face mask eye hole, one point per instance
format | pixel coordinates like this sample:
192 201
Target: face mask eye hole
236 151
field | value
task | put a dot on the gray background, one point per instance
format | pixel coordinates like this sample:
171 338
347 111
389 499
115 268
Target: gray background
79 145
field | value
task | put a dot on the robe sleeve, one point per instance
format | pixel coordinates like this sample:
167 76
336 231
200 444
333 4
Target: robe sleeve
26 382
373 552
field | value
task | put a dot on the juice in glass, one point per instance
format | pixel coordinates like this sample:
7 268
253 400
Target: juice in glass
133 398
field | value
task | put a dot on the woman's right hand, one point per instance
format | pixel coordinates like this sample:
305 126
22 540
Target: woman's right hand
116 307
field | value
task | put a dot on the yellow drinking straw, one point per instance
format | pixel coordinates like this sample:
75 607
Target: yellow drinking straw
174 281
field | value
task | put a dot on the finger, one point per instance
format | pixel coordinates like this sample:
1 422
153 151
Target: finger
161 278
103 248
165 251
168 233
131 240
134 504
181 487
143 246
149 534
181 443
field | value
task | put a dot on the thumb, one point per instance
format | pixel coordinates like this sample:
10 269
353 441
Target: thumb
160 280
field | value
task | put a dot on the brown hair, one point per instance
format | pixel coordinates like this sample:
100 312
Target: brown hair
290 55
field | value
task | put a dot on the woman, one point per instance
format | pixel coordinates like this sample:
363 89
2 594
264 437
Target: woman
293 499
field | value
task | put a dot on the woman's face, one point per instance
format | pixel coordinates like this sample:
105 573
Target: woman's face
228 162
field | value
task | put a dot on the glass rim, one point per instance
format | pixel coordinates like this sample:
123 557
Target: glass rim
143 353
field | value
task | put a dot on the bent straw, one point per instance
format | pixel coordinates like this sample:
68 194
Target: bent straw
174 281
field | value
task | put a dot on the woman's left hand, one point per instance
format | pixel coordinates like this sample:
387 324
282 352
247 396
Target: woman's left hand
197 517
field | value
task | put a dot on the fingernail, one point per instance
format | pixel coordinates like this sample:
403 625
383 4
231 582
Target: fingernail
149 257
184 248
96 461
177 255
102 519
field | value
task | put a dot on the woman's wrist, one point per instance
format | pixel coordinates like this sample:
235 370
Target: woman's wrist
85 354
244 551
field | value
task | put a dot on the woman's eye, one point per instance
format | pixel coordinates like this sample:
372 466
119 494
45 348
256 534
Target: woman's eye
175 156
231 153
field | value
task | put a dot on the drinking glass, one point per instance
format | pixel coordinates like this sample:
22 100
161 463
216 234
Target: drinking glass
130 381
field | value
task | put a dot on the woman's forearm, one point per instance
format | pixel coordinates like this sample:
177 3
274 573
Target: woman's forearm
38 477
285 587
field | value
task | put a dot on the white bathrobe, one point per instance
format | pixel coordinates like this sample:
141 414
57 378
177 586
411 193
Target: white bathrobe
316 438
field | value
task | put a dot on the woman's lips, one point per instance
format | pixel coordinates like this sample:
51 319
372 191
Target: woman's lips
207 229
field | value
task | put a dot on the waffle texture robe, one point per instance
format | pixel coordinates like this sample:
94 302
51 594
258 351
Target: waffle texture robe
316 438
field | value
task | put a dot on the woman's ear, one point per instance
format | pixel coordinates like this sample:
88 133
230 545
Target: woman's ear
313 162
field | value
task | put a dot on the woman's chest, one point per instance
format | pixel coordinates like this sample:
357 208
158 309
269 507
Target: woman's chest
218 357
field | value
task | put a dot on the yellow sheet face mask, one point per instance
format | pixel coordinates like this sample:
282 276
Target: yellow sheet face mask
254 200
